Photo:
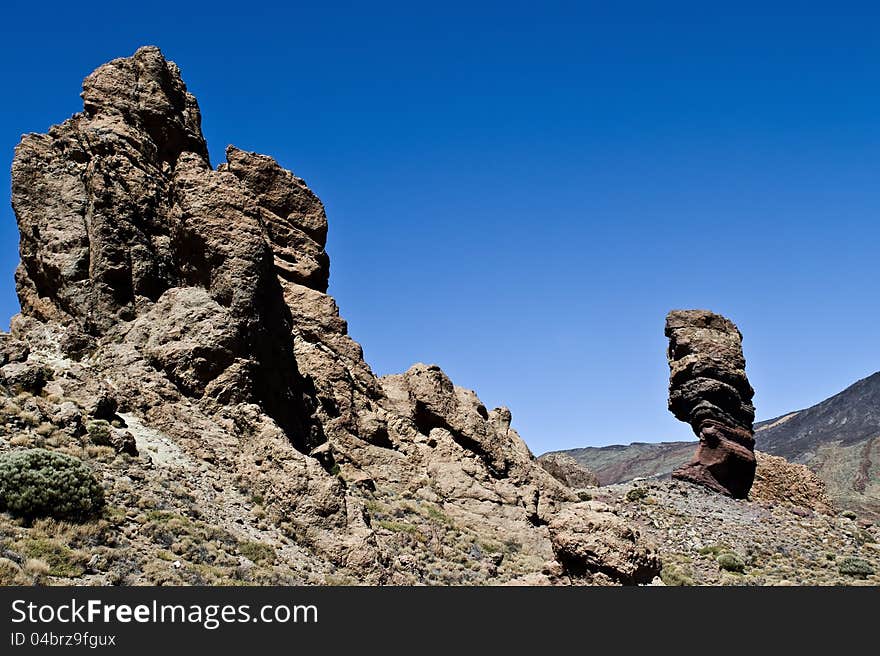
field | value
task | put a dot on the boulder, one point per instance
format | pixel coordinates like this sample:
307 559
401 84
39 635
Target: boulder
779 481
25 377
590 540
12 350
568 471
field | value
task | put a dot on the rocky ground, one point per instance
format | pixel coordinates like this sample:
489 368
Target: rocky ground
772 543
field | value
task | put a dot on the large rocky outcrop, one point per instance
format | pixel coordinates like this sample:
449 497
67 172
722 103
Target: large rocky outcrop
118 208
708 389
194 299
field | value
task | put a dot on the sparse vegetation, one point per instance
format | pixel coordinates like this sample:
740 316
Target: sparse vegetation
672 576
36 568
257 552
60 559
731 561
11 574
636 494
38 483
852 566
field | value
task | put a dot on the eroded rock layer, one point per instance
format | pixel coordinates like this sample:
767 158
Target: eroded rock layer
709 390
186 308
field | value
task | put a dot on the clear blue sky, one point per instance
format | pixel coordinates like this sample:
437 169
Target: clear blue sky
519 192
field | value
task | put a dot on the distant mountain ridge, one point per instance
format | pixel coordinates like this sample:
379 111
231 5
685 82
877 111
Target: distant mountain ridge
621 463
850 417
838 438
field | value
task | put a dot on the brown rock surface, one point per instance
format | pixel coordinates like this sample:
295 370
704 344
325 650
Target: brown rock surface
567 470
708 389
196 299
780 481
118 206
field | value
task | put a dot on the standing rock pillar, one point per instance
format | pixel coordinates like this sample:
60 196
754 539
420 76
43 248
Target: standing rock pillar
708 389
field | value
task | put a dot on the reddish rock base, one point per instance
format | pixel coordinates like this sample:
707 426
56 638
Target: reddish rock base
724 460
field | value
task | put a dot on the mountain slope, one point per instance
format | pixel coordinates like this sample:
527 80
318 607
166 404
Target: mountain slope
850 417
619 463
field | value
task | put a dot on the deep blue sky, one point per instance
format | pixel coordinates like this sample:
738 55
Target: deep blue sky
519 192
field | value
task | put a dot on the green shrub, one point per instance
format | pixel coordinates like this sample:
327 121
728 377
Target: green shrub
438 516
257 552
99 432
852 566
674 577
636 494
731 562
61 559
583 495
39 483
397 527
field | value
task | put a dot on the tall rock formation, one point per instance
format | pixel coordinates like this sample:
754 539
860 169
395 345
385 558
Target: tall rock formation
188 305
121 217
708 389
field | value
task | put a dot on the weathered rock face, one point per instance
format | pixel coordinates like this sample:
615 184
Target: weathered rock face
567 470
779 481
708 389
188 306
118 207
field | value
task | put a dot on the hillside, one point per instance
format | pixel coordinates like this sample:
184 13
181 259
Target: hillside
619 463
837 439
848 418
